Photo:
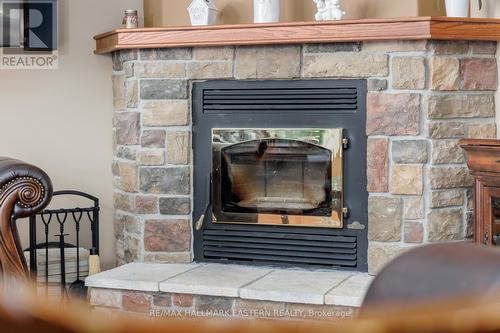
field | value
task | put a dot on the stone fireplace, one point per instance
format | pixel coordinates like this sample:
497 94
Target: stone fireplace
285 182
423 96
204 173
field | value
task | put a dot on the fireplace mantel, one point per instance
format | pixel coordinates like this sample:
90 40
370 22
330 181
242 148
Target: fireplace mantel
414 28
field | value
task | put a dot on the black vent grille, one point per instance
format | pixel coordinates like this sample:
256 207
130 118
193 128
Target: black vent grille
311 99
280 247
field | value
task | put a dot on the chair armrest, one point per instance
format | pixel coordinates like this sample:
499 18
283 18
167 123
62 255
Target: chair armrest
24 191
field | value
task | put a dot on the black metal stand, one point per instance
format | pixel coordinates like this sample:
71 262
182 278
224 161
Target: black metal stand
76 216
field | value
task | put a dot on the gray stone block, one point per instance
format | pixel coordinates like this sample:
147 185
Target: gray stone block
164 89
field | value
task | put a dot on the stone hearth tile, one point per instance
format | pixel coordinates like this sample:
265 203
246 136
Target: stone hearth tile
137 276
214 280
306 287
350 292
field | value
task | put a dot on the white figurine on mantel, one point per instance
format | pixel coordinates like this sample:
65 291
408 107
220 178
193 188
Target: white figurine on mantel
328 10
203 12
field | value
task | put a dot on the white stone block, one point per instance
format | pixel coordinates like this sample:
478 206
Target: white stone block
214 280
137 276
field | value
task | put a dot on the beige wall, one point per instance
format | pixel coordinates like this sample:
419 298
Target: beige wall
61 120
491 8
174 12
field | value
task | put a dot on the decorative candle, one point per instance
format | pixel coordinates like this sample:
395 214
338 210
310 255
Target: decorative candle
131 19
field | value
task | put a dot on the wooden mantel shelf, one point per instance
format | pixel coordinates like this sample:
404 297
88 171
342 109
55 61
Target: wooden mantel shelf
414 28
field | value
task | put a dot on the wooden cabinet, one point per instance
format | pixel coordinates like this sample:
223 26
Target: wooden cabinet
483 160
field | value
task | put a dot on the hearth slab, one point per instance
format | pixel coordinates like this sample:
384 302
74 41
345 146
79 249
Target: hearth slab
137 276
214 280
318 287
294 286
349 293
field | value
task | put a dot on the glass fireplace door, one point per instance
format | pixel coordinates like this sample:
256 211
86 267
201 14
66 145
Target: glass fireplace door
278 177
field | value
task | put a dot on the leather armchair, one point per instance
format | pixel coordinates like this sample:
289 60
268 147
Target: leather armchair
24 190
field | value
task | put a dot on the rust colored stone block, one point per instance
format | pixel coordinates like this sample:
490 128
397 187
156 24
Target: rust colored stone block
479 74
393 114
378 165
146 204
167 236
136 301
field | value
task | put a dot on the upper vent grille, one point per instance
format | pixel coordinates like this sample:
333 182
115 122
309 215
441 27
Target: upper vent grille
280 99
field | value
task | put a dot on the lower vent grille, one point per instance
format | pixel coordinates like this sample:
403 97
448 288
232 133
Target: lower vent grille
280 247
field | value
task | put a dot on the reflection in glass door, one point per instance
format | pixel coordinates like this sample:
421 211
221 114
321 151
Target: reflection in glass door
495 221
488 226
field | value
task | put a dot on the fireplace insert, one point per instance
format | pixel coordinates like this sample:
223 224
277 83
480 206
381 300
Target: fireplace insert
277 176
280 172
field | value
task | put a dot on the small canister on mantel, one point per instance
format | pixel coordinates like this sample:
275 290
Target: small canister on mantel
131 19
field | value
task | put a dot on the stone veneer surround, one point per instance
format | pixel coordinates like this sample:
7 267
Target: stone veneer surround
423 97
